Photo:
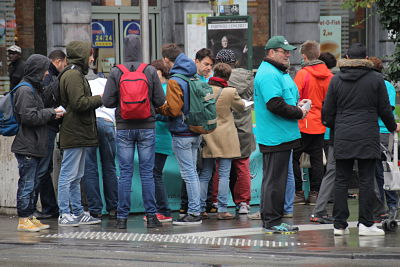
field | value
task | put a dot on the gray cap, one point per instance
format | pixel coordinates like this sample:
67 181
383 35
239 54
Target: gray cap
14 48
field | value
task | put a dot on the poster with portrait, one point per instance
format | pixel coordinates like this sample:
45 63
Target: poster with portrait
233 33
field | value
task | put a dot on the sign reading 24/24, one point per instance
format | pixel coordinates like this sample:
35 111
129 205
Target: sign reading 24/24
102 34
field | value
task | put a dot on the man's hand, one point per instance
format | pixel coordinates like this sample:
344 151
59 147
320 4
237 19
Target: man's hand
59 113
305 112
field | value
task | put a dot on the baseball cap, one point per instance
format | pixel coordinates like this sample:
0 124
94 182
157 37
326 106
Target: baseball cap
279 42
14 48
225 56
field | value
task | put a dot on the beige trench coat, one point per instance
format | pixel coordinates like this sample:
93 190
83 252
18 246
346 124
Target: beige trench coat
223 142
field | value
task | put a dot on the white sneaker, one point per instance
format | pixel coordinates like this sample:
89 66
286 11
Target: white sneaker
67 220
243 208
340 232
372 230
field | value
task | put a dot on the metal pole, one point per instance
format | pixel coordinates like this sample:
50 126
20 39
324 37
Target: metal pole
144 22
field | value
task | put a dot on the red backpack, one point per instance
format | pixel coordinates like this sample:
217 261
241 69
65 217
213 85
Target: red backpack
134 93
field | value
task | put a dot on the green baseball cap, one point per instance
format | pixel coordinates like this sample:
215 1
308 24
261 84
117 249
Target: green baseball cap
279 42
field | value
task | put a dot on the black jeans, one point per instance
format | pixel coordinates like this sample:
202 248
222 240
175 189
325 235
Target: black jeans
273 187
313 145
366 171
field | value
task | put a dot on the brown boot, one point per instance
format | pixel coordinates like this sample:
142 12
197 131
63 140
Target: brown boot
225 216
312 198
299 198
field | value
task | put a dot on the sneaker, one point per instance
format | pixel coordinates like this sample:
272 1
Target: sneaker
287 215
341 232
283 228
67 220
39 224
26 225
244 208
254 216
188 219
121 223
312 198
160 217
225 216
299 198
96 215
85 218
322 220
214 208
153 222
40 215
369 231
112 214
182 212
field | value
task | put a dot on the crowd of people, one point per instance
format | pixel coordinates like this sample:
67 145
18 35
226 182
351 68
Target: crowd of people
345 117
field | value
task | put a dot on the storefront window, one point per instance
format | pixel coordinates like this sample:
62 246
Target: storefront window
120 2
339 28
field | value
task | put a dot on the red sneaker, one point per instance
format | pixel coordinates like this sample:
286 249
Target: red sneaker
160 217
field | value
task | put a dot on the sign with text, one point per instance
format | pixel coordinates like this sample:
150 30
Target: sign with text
331 34
102 34
131 27
195 32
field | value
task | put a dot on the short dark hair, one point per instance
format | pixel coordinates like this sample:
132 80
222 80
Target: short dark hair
203 53
223 71
329 59
357 51
170 51
378 65
57 54
160 65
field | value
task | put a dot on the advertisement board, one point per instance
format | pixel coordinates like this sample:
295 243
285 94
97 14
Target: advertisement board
331 34
102 34
195 31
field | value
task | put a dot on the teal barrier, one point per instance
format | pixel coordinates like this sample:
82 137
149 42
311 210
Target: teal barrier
172 180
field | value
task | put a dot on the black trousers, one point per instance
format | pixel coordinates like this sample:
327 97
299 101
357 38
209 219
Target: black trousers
366 171
312 144
273 187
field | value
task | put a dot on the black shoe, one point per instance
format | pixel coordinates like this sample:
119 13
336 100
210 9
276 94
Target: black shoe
121 223
188 219
40 215
152 221
112 214
96 215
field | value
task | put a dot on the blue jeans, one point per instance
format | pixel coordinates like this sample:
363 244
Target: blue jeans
145 141
28 168
107 149
224 170
69 188
290 188
44 186
161 192
185 150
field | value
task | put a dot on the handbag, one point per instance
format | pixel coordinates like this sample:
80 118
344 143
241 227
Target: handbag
305 160
391 171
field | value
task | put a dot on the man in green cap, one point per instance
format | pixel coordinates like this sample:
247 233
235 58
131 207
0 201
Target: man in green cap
277 132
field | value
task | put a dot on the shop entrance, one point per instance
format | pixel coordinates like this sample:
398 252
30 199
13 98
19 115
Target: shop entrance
108 33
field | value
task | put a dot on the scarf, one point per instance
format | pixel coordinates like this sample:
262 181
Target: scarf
218 82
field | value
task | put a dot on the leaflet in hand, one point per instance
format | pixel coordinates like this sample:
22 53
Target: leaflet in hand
247 103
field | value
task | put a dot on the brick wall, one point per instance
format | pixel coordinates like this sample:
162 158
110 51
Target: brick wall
259 10
24 12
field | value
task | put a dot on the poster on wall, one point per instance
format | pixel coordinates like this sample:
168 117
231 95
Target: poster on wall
239 6
331 34
195 32
2 29
231 33
102 34
131 27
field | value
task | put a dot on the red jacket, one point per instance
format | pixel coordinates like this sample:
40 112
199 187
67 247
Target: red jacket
313 82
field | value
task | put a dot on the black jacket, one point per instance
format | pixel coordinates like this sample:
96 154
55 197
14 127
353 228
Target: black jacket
132 60
51 94
32 139
16 72
356 97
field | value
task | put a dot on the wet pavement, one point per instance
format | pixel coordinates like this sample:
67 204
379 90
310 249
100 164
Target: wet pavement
236 242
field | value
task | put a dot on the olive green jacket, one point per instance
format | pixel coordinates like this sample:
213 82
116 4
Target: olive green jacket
78 128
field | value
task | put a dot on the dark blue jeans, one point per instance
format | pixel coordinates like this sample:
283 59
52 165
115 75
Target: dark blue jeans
107 150
144 139
44 186
161 192
28 168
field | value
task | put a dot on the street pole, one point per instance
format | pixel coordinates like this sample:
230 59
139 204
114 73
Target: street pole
144 22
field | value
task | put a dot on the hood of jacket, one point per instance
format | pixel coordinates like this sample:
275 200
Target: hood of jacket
132 49
353 69
184 65
319 71
242 80
35 68
78 53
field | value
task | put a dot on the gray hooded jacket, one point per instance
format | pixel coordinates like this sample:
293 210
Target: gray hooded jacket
31 139
132 60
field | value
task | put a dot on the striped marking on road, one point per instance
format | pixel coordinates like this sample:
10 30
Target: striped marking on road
177 239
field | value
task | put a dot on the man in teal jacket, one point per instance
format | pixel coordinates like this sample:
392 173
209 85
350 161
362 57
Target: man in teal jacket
277 132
